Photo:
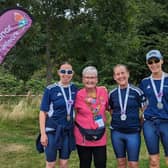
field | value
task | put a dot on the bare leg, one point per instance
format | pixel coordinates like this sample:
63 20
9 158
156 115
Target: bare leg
122 163
166 158
50 164
63 163
154 161
133 164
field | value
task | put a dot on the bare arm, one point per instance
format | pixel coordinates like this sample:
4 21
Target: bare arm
42 121
141 114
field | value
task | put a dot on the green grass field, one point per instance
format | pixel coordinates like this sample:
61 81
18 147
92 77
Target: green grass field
18 134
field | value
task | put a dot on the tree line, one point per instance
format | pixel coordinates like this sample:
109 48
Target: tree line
102 33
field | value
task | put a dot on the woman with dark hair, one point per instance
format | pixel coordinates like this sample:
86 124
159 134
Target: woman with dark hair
56 118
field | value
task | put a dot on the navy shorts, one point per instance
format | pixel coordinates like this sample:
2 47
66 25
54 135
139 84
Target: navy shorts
154 131
126 143
51 152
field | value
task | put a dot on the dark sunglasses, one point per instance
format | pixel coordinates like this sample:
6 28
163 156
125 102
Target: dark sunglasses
65 71
152 61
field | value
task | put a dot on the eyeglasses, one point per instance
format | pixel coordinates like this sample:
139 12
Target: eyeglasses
66 71
150 62
90 77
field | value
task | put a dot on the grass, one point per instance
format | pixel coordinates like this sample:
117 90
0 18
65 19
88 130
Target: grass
18 134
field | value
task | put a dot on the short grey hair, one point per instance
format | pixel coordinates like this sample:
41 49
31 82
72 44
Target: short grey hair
89 70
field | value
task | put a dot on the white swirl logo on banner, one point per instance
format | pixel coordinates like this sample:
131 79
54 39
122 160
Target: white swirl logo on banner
14 23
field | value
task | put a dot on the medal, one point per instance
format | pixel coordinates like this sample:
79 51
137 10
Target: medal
159 94
160 105
123 117
68 118
68 102
123 107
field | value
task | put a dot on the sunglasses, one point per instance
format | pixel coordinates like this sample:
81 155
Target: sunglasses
66 71
150 62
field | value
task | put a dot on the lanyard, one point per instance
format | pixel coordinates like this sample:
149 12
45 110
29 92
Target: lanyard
159 94
123 108
69 101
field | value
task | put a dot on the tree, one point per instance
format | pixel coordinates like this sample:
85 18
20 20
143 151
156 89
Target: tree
51 15
152 29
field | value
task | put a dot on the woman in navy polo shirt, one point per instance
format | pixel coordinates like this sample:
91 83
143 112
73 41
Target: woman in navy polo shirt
56 118
125 102
155 127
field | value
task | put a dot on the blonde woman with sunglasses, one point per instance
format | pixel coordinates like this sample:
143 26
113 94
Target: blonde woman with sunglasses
56 118
155 126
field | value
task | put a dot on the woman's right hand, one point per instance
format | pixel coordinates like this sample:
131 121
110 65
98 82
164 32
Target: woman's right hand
44 140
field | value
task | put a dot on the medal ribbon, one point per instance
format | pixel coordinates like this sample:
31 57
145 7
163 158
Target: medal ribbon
123 108
160 94
69 101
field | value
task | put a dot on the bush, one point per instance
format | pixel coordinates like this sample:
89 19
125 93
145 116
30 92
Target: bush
10 85
35 86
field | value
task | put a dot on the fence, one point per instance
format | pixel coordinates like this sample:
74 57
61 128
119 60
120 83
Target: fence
20 95
4 98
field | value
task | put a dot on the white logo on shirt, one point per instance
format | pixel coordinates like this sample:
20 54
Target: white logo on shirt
59 94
